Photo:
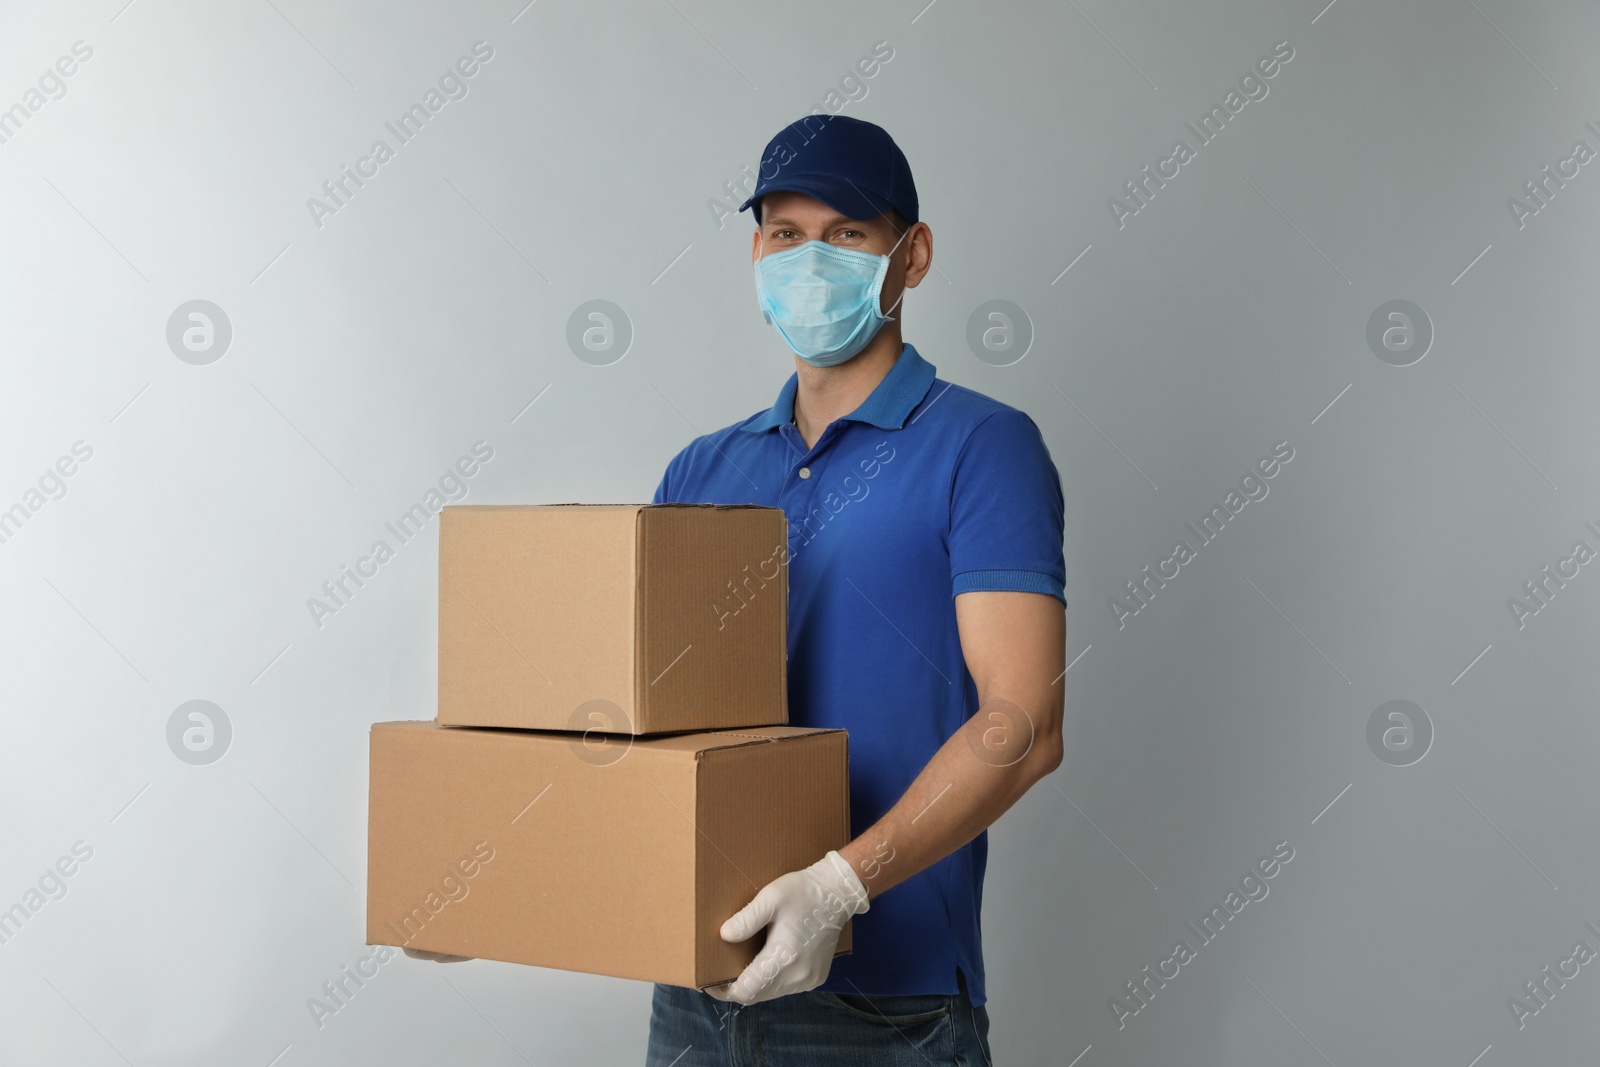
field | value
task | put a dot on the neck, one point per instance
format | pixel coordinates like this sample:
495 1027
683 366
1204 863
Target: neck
823 394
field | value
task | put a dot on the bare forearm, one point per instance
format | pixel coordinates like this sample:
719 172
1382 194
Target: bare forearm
975 777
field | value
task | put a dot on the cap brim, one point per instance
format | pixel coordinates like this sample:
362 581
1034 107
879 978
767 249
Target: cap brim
845 198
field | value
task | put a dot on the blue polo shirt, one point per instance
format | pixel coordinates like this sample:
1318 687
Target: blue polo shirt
926 490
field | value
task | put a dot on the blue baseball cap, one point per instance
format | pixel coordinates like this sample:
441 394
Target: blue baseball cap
852 166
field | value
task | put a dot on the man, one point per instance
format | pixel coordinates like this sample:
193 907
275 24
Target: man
926 617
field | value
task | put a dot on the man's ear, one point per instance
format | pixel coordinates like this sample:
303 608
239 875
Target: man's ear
914 275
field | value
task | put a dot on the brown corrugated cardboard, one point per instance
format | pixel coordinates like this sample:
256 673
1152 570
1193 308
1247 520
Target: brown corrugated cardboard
625 618
530 846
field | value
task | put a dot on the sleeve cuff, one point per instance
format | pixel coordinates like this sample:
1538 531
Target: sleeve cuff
1012 581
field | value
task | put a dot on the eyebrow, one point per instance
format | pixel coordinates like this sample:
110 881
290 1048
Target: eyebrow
827 224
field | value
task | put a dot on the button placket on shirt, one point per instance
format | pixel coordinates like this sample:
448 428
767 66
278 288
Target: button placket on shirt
801 488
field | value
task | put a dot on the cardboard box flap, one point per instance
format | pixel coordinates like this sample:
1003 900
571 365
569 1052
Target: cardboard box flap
531 507
629 507
700 743
692 742
724 507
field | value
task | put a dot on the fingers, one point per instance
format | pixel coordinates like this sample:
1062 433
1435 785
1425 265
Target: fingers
764 979
436 957
753 916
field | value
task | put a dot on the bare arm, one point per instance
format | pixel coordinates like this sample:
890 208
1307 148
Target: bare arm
1015 648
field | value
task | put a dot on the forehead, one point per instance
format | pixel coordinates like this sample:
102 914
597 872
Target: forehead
788 208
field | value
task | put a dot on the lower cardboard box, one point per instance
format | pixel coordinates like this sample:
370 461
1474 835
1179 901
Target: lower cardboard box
617 856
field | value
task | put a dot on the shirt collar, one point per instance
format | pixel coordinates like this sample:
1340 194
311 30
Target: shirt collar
894 398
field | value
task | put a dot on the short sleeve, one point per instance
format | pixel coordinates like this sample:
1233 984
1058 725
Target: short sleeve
662 493
1006 510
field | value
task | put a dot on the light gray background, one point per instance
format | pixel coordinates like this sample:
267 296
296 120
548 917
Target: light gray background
1228 315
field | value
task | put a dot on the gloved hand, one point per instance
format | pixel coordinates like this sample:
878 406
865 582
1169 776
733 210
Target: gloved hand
436 957
806 911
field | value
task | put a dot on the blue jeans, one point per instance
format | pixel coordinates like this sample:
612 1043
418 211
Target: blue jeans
688 1028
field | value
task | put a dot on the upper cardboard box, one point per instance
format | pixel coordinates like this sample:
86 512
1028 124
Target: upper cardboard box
622 618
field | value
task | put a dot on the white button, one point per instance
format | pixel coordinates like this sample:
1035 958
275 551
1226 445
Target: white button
805 472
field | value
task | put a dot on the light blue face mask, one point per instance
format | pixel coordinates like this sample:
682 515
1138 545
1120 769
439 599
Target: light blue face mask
823 299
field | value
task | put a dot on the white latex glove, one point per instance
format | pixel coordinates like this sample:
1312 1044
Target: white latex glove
806 911
436 957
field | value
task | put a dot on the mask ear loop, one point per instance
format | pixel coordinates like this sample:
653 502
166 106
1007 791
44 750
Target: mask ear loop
889 315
